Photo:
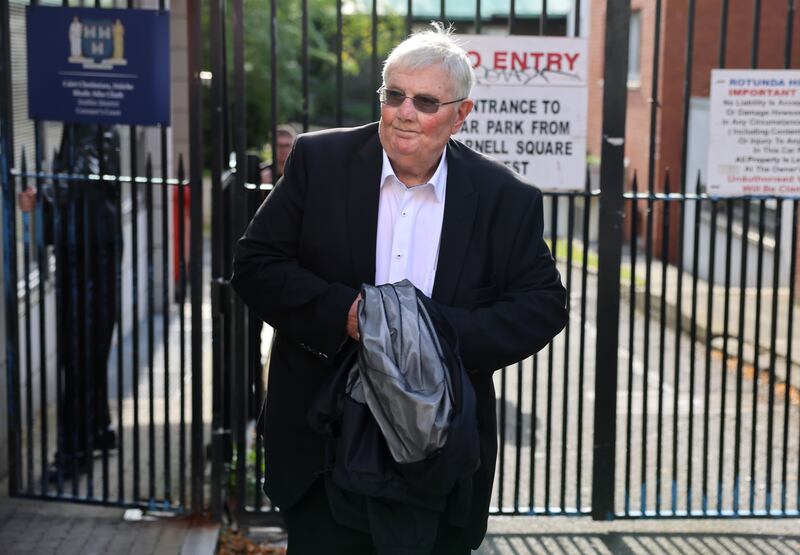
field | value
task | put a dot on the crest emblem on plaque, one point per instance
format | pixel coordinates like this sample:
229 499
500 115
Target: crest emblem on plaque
97 43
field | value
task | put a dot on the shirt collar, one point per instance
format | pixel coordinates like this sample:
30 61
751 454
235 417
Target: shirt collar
438 180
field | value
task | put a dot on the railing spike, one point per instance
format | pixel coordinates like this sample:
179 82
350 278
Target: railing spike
24 168
588 183
181 174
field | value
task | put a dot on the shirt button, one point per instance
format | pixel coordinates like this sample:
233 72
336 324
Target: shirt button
403 213
398 255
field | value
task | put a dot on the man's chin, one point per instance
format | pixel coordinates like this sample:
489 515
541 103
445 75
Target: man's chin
406 145
402 153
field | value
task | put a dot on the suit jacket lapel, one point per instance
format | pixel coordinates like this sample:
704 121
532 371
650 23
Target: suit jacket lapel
461 203
363 192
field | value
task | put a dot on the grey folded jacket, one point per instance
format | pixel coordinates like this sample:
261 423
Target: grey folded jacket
400 372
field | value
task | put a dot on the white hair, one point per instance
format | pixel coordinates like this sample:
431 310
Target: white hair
434 46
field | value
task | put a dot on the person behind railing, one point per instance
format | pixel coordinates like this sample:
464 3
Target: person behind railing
84 372
271 172
374 205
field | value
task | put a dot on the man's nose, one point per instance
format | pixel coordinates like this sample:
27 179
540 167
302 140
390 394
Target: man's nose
407 109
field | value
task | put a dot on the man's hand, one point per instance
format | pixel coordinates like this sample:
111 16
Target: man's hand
352 319
27 199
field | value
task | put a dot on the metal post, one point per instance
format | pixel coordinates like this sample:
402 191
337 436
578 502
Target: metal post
217 332
165 306
612 177
42 266
305 82
134 192
273 76
374 83
239 223
9 254
340 62
196 247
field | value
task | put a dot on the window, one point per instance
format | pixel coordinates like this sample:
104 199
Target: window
635 49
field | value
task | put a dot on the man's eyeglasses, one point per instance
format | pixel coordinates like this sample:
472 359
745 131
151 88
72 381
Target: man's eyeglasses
425 104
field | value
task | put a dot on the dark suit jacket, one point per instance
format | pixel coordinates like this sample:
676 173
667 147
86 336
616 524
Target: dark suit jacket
311 245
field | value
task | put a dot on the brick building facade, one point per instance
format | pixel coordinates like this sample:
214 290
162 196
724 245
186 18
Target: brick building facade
770 36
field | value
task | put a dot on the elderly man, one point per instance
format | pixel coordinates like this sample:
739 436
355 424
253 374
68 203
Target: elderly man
376 204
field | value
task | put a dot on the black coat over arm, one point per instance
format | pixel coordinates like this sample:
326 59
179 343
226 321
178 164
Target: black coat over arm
311 245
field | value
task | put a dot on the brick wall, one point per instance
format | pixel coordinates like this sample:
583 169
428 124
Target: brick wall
668 136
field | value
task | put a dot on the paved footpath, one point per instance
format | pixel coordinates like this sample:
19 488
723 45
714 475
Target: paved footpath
583 536
44 527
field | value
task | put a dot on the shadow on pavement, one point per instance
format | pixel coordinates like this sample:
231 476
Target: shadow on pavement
648 543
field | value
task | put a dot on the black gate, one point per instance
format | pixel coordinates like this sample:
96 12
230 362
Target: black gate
538 471
696 409
648 404
103 262
672 391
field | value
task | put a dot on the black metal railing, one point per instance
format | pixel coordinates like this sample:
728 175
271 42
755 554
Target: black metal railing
671 392
544 406
709 421
239 473
133 381
98 349
626 413
712 449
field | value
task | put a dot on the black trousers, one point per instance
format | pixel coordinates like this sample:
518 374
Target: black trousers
313 531
87 292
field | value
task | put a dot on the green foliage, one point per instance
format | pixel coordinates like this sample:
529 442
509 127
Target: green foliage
360 77
250 468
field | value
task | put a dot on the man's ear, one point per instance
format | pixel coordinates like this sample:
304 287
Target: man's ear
461 115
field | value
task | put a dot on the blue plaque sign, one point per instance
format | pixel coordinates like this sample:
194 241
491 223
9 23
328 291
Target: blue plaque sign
96 65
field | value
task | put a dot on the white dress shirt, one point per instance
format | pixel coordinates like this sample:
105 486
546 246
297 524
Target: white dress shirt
409 228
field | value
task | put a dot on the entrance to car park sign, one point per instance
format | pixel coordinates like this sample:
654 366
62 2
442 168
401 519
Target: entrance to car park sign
530 106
